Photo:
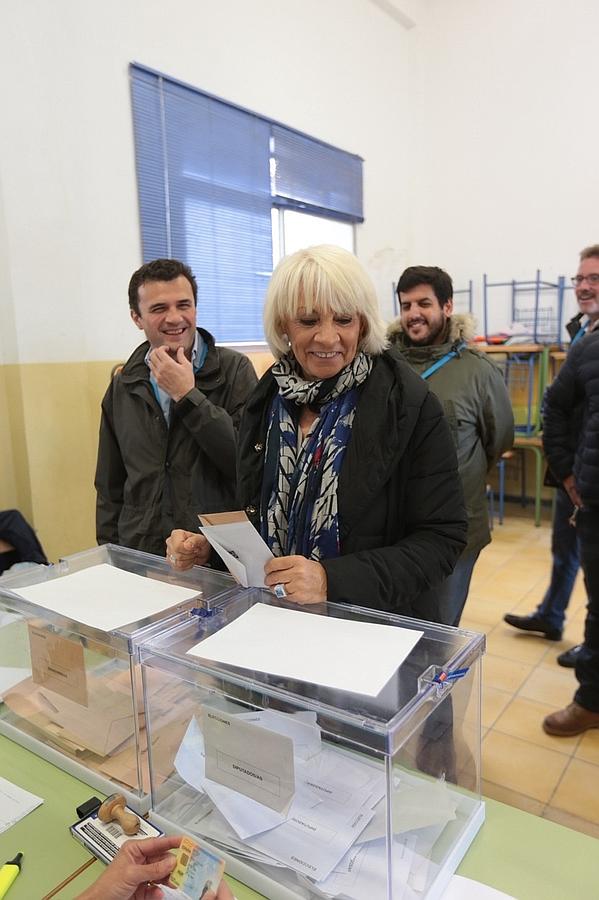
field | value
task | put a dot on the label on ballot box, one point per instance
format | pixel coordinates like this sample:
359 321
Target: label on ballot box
249 759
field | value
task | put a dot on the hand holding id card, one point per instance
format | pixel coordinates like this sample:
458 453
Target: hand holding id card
196 872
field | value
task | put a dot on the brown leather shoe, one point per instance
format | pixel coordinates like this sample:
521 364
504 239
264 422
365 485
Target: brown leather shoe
574 719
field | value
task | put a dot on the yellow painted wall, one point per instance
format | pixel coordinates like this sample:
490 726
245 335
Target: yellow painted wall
52 413
8 487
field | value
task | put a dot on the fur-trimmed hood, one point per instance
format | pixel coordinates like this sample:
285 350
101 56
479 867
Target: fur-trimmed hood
462 327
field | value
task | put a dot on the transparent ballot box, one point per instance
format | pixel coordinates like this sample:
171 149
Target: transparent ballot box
353 772
70 685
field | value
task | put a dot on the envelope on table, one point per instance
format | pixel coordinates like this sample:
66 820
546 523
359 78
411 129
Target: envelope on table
238 544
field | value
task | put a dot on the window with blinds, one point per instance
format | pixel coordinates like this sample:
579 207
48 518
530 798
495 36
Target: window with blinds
209 175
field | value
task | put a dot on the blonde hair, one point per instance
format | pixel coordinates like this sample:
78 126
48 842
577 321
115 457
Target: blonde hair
328 279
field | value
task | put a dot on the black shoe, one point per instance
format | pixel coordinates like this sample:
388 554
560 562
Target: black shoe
568 657
534 623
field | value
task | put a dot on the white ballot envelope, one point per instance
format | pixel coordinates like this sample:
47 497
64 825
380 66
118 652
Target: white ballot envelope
239 546
249 759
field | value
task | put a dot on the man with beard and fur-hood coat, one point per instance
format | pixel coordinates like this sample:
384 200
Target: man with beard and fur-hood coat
475 400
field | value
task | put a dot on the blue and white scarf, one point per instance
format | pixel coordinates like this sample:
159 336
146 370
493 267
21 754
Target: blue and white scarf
300 484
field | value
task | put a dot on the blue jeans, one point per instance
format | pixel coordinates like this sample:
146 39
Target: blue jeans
449 598
566 562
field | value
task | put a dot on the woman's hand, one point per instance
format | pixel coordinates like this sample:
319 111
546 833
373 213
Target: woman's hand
136 864
185 549
304 580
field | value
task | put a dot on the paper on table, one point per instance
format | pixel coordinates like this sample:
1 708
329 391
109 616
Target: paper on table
105 596
340 653
11 676
460 888
239 545
15 803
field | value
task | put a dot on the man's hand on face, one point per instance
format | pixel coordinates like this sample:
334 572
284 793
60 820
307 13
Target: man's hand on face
175 376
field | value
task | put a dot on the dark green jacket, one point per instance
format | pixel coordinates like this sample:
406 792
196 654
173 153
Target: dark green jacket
150 477
477 406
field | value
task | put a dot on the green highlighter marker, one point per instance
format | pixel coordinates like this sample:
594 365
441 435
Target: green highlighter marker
9 872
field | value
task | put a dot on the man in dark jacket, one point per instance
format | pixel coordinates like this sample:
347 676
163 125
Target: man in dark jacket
548 618
434 342
169 418
578 470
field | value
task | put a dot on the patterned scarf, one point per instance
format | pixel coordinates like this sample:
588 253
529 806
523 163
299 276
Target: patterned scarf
300 485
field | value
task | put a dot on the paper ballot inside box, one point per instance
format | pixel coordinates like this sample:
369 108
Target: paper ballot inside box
101 726
251 760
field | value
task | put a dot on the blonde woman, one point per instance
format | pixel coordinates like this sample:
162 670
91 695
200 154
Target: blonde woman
346 465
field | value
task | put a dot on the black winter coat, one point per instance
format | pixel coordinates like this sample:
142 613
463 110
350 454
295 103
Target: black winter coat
401 515
576 385
150 477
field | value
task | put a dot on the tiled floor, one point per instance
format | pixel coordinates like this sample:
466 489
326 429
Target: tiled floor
557 778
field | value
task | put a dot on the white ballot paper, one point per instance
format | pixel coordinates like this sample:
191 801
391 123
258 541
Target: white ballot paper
254 761
239 545
15 803
345 654
246 816
105 596
461 888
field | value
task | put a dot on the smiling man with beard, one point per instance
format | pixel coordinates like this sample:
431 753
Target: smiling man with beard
169 418
470 387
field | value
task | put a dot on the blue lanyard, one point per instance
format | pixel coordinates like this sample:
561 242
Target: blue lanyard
443 361
580 333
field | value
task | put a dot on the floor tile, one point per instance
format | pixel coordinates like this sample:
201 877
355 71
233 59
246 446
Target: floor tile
574 632
588 748
569 821
504 674
522 682
552 685
523 718
573 793
512 798
521 766
471 625
494 702
506 642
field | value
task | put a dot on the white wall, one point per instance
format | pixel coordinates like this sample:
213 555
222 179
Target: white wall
336 69
478 138
503 145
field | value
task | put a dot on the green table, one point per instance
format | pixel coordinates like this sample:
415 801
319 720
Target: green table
50 854
523 855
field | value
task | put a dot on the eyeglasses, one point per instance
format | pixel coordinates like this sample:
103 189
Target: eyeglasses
590 279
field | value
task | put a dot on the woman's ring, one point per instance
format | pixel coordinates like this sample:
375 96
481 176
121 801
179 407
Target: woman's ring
280 592
172 558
